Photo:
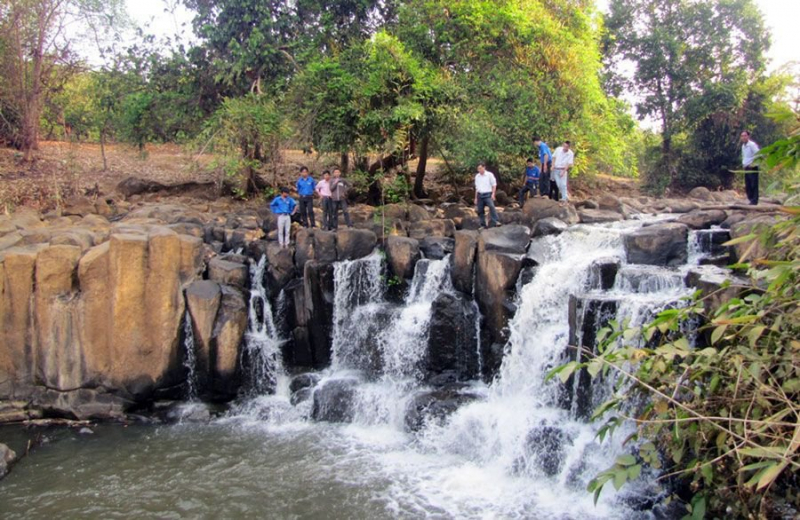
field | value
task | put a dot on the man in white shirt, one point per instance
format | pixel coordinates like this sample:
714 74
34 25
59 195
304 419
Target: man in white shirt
485 190
563 160
749 151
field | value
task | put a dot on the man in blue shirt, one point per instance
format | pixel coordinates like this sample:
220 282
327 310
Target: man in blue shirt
545 165
284 207
531 181
305 190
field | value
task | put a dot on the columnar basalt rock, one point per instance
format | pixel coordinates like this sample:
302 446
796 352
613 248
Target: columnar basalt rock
659 244
402 254
463 273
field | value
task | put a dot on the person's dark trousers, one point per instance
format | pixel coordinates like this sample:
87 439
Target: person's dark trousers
340 205
544 180
554 194
529 187
751 184
327 211
307 210
484 200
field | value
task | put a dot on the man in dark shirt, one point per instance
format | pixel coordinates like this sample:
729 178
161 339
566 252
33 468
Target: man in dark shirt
305 190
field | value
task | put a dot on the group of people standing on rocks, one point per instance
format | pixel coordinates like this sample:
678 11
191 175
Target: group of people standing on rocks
545 177
548 178
332 191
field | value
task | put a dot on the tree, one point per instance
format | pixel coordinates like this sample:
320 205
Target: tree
682 49
37 36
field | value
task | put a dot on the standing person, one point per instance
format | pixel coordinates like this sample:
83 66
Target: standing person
531 181
339 188
324 191
749 151
545 165
485 192
563 160
305 191
284 206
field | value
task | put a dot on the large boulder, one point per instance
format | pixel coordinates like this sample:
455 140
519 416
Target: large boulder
465 249
660 244
431 228
352 244
334 400
598 216
318 300
136 186
544 450
436 248
280 267
228 273
701 193
608 202
538 208
80 206
325 246
703 219
7 458
433 407
417 213
501 252
229 328
402 254
548 226
304 247
674 205
453 338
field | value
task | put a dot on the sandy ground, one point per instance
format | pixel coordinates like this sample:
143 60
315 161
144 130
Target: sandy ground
62 170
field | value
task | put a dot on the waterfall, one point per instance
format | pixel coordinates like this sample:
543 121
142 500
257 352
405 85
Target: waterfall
262 338
190 359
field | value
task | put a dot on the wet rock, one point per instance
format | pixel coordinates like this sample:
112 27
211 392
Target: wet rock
674 205
7 459
228 273
300 381
545 448
188 413
538 208
352 244
603 273
598 216
660 244
436 248
318 283
715 296
402 254
548 226
334 400
435 406
500 256
81 404
203 299
85 431
452 338
587 315
465 249
431 228
703 219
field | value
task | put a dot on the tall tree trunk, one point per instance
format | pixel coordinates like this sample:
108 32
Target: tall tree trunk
32 109
344 161
419 186
103 148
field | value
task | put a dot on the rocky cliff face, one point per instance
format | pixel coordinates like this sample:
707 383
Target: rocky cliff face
93 306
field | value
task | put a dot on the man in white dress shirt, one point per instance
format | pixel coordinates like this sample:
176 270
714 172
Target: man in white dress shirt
749 151
485 191
563 160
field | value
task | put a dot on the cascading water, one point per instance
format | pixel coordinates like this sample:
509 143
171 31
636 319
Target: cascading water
190 357
262 338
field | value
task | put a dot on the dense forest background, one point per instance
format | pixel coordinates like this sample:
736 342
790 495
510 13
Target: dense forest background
371 84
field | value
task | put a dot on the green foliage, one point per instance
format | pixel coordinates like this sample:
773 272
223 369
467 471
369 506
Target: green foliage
246 133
